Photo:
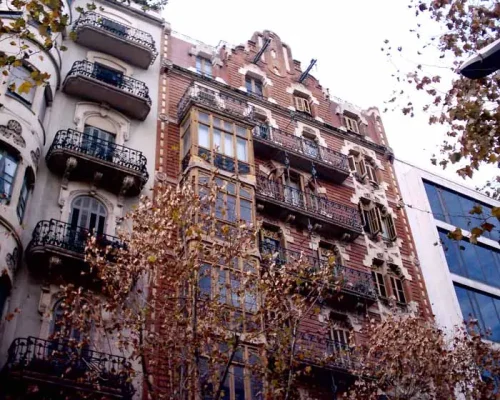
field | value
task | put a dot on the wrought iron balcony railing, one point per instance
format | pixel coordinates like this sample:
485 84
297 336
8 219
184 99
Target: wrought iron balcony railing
320 207
67 237
303 146
60 363
216 101
125 32
351 281
321 351
104 150
110 77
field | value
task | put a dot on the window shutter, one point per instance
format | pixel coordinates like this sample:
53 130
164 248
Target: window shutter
373 221
307 106
393 287
361 168
391 228
372 174
352 163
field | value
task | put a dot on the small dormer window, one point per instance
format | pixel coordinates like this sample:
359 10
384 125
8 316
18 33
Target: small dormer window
204 66
302 104
254 86
351 124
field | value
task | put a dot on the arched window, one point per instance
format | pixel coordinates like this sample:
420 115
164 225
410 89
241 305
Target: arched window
63 328
88 213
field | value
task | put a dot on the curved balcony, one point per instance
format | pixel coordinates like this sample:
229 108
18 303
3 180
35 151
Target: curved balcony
301 153
84 157
308 210
101 33
215 101
99 83
59 247
65 369
354 284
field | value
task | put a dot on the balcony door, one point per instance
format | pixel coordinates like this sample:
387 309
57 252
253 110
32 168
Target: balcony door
98 143
108 75
293 194
114 26
88 215
339 345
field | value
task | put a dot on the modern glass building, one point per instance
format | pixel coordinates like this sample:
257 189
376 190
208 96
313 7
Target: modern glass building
463 279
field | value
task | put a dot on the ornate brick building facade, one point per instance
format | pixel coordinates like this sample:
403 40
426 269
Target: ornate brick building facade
317 171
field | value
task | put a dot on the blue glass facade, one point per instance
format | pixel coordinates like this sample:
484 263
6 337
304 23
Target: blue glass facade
453 208
484 307
475 262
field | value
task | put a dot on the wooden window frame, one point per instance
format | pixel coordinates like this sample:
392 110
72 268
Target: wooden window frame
254 83
203 180
224 292
377 221
210 154
244 361
398 293
302 104
379 280
371 172
351 124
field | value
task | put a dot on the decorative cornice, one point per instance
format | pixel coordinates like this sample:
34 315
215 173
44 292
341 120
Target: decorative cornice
169 67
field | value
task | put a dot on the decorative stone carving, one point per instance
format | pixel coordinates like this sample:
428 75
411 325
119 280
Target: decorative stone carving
35 156
127 183
12 259
13 129
95 182
71 164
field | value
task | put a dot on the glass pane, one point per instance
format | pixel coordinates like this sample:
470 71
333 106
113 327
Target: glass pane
203 136
217 140
205 281
433 196
228 145
203 117
489 315
241 149
222 286
231 208
488 259
470 261
451 252
208 67
239 382
10 166
186 143
453 206
231 188
228 126
218 122
247 194
220 211
241 131
246 210
465 303
235 287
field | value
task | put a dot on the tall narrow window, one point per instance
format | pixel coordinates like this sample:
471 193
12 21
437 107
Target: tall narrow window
204 66
23 196
379 280
302 104
253 86
351 124
357 165
8 168
398 290
388 227
371 172
18 76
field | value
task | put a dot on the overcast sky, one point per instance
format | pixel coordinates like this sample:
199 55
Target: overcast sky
345 36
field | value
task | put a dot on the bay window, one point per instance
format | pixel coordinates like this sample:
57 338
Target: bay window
377 220
220 142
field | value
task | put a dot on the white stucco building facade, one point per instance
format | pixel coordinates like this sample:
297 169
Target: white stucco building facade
75 155
462 279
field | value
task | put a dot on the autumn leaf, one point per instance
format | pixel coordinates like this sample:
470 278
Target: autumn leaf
25 87
477 209
487 226
456 234
495 212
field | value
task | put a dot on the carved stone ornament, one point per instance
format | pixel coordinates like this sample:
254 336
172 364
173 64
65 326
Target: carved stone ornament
13 129
35 156
12 259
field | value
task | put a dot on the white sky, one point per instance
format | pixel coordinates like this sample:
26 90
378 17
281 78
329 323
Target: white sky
346 37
